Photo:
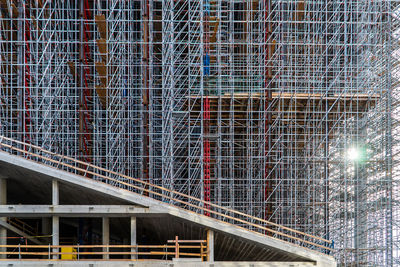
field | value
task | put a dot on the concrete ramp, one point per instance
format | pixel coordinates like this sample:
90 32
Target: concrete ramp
152 203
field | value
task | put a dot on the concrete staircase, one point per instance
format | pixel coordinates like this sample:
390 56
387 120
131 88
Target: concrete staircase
227 221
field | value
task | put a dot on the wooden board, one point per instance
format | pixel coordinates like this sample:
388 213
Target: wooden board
101 69
102 25
102 45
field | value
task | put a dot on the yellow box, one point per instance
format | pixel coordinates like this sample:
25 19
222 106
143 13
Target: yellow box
69 255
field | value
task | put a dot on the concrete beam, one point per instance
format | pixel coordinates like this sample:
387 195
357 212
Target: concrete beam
30 211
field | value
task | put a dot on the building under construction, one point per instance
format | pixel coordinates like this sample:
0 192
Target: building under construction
255 130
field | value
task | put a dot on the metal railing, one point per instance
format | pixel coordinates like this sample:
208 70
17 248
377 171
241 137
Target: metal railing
23 226
177 199
179 249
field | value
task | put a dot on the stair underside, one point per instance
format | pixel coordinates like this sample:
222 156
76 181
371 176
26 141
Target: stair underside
28 175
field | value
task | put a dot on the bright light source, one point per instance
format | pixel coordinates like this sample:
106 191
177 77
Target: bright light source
353 154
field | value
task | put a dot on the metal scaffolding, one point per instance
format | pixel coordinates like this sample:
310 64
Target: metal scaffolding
281 109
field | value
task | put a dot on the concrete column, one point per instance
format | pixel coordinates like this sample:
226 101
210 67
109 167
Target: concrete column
55 219
46 226
3 201
133 236
106 236
55 194
210 244
56 234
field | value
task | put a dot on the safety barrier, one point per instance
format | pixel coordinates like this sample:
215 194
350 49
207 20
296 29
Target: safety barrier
22 226
179 249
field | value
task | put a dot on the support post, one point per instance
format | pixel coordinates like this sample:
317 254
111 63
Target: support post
106 237
46 226
176 247
210 245
3 231
55 195
56 235
133 237
55 219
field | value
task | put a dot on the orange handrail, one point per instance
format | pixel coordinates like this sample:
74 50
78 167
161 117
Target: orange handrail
23 226
198 249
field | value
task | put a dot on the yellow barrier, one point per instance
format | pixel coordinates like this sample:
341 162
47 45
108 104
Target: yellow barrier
68 253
